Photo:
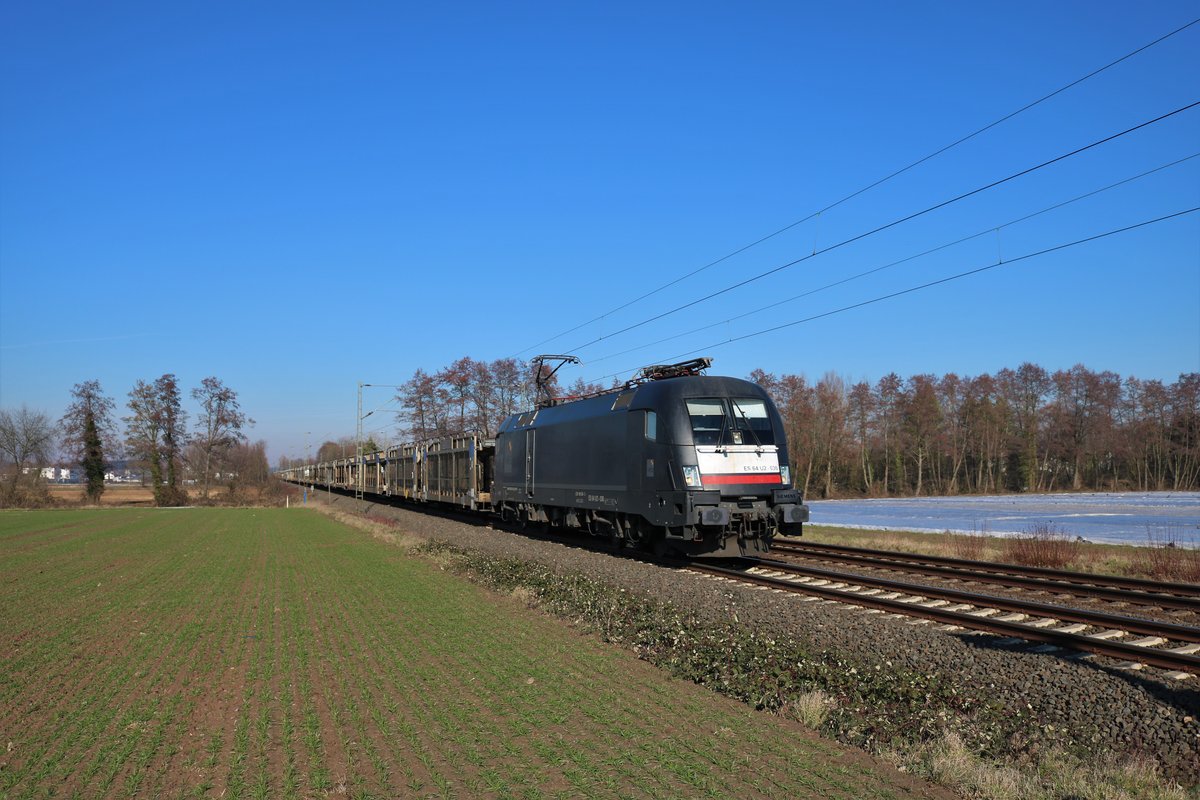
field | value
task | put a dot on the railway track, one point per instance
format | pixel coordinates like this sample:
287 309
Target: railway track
1134 591
1166 645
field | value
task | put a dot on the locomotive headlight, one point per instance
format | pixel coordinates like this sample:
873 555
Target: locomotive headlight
785 475
691 477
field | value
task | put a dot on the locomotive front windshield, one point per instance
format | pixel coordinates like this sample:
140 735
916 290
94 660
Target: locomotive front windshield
714 424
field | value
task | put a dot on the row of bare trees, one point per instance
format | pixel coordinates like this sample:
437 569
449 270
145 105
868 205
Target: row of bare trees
473 395
154 439
1022 430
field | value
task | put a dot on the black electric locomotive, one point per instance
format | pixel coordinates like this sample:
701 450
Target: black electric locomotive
676 460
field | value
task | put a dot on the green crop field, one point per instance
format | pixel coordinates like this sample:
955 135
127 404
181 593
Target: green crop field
276 653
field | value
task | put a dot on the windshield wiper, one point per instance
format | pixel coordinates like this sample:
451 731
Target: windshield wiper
757 442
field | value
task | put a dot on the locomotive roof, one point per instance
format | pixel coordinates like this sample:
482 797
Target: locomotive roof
650 395
654 393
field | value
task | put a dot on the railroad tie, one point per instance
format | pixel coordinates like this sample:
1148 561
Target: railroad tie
1149 641
1108 634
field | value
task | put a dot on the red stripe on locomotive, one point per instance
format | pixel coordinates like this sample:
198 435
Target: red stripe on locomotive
756 477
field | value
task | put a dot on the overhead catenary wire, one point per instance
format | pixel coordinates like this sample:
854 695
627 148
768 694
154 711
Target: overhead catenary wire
912 289
889 225
866 188
906 259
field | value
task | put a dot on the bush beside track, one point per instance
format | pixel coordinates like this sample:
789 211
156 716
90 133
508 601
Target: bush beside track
928 699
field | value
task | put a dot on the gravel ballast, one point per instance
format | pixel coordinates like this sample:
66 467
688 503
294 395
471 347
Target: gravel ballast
893 680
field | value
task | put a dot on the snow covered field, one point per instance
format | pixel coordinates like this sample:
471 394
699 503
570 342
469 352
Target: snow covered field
1113 518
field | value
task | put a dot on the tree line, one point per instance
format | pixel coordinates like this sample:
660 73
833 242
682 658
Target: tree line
153 438
1020 430
474 395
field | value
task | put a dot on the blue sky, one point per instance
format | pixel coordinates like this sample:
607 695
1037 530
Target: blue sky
298 197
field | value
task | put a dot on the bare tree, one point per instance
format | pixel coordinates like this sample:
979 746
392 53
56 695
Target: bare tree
456 381
797 404
508 387
246 466
88 433
987 426
922 418
143 431
218 426
861 413
889 398
1184 434
1025 391
424 410
155 431
484 392
174 435
830 419
26 436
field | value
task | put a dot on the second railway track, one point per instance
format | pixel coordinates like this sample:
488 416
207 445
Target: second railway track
1170 646
1110 588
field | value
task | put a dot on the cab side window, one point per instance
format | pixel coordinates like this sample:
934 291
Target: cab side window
651 426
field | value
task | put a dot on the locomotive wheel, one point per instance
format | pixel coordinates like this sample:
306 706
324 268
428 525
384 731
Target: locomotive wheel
616 539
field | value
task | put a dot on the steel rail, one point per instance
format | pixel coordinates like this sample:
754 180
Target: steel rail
1146 655
1159 592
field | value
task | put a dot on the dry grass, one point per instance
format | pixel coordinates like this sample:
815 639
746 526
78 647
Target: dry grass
131 494
383 529
114 495
810 709
1166 557
1106 779
969 546
525 596
1043 545
949 762
1172 557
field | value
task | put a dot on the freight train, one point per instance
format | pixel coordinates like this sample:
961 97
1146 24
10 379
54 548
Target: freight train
674 460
